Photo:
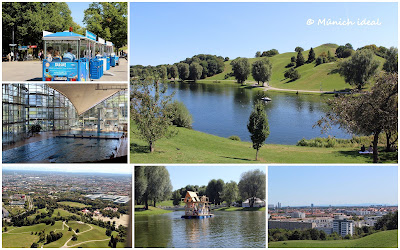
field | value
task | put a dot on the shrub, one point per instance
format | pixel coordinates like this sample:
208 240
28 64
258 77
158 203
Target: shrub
320 60
180 115
234 138
291 64
292 74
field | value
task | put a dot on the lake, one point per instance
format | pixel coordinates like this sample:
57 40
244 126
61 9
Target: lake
225 229
224 110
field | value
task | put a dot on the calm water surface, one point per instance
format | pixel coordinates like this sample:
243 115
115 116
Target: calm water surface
224 110
225 229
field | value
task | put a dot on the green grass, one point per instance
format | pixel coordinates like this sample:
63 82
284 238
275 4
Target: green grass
151 211
376 240
73 204
190 146
62 212
312 77
13 238
229 209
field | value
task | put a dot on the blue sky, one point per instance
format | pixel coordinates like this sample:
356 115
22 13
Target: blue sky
201 175
332 185
77 9
162 33
80 168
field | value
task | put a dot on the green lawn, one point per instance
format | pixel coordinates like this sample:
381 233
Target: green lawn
15 234
151 211
312 77
376 240
73 204
190 146
62 213
229 209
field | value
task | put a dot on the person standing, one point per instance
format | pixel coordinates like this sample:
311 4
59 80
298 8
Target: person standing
12 56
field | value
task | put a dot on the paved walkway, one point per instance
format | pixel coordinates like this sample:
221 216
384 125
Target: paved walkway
32 71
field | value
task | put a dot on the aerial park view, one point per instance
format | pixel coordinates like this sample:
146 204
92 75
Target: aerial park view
221 206
334 209
64 123
67 44
85 207
328 99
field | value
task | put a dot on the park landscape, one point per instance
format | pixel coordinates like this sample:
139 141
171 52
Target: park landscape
314 102
235 198
52 216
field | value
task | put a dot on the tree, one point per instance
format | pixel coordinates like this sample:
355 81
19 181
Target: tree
311 56
179 114
322 235
241 69
343 52
299 49
258 126
183 69
230 193
293 59
159 184
195 71
391 63
368 113
348 46
300 59
149 110
214 190
74 237
258 54
173 70
176 198
108 232
108 20
292 74
262 70
359 69
226 59
29 19
252 184
162 72
34 245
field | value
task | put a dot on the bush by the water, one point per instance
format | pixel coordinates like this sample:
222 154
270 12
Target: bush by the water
331 142
234 138
180 115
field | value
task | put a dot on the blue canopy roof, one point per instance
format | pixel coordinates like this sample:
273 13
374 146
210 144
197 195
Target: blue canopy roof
64 36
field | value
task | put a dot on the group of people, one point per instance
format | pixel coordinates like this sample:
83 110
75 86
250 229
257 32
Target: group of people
370 149
11 57
54 55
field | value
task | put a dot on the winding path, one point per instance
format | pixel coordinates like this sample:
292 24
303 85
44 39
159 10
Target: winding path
91 228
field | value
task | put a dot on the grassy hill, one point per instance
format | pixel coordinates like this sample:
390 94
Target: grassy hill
312 77
376 240
190 146
73 204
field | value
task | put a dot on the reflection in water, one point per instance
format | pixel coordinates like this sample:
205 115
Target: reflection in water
224 110
225 229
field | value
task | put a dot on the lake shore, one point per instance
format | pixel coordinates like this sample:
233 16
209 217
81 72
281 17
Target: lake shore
190 146
151 211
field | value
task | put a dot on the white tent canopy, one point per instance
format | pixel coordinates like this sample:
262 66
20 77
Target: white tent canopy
85 96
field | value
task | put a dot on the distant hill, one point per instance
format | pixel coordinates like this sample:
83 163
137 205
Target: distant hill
376 240
312 77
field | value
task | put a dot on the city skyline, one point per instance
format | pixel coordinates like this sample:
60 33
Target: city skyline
332 185
213 28
124 170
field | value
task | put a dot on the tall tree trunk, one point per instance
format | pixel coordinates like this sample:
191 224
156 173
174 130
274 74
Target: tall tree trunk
257 154
388 136
154 202
151 147
375 147
146 203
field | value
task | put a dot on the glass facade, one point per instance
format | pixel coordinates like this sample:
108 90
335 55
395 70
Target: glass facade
113 114
31 104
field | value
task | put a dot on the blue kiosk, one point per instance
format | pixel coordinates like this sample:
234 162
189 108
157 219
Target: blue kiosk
58 67
114 60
